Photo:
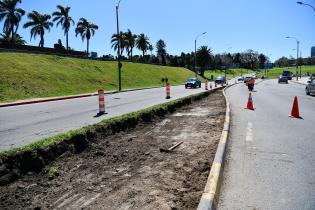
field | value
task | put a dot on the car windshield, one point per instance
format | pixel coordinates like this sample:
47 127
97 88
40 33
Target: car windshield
192 80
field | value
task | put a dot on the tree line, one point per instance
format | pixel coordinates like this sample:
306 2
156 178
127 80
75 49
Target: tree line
39 23
286 62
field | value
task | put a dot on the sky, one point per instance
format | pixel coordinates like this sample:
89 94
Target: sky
231 25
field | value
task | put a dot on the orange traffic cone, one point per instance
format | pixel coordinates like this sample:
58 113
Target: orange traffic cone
295 109
250 104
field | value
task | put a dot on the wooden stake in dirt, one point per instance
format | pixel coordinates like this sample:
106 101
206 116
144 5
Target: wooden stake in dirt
171 148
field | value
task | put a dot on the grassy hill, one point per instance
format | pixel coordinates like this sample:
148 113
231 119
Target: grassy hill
24 76
276 72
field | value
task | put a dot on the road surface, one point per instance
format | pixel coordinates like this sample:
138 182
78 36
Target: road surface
21 125
270 156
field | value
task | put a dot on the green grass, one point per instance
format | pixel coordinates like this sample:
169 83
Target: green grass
276 72
231 73
25 76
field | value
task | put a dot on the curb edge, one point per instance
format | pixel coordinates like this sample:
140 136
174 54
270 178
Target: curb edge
211 191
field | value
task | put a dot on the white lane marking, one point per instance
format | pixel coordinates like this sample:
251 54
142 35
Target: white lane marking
249 132
62 197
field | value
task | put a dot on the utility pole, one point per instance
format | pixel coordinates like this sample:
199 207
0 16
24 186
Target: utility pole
118 50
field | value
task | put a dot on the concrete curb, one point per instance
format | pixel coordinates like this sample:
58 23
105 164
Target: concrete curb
34 101
210 196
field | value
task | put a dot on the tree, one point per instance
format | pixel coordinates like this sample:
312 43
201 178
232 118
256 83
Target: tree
151 48
161 50
86 31
62 18
38 23
203 57
262 60
11 16
115 43
59 46
6 39
142 43
129 39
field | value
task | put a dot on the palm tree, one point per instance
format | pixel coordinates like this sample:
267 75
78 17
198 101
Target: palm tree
204 56
130 41
38 23
142 43
86 31
11 16
115 43
62 17
151 48
6 39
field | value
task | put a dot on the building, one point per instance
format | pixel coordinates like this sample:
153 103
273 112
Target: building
313 52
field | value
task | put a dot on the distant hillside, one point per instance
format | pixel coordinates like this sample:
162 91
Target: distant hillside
25 76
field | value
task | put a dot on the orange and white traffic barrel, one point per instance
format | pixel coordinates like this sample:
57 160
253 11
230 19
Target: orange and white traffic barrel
101 101
168 91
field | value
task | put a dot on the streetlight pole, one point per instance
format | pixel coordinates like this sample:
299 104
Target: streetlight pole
297 55
301 3
118 49
196 51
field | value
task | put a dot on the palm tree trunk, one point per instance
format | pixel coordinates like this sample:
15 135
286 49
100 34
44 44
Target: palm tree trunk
41 40
87 47
12 36
67 40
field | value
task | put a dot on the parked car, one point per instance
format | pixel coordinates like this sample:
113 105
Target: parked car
220 80
193 83
283 79
241 78
288 74
310 87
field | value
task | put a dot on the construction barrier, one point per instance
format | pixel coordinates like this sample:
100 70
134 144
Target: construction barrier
101 101
168 91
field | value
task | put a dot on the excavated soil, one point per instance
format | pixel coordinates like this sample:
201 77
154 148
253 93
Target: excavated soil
127 170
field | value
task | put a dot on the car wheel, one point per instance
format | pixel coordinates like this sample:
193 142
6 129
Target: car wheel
307 92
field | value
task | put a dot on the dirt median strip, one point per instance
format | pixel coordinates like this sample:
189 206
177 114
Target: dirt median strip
127 170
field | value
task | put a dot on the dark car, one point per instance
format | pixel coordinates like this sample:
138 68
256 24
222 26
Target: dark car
193 83
310 87
220 80
288 74
283 79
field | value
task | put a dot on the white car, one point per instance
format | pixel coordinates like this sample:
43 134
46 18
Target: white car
310 87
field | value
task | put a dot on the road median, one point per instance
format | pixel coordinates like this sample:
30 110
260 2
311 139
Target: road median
19 161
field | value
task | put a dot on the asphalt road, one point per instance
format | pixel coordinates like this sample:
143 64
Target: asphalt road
270 162
21 125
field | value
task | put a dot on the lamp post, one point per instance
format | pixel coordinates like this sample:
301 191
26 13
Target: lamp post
297 55
196 50
118 50
301 3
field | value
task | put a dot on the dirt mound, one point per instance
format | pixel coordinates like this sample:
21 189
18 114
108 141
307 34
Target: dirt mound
127 170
